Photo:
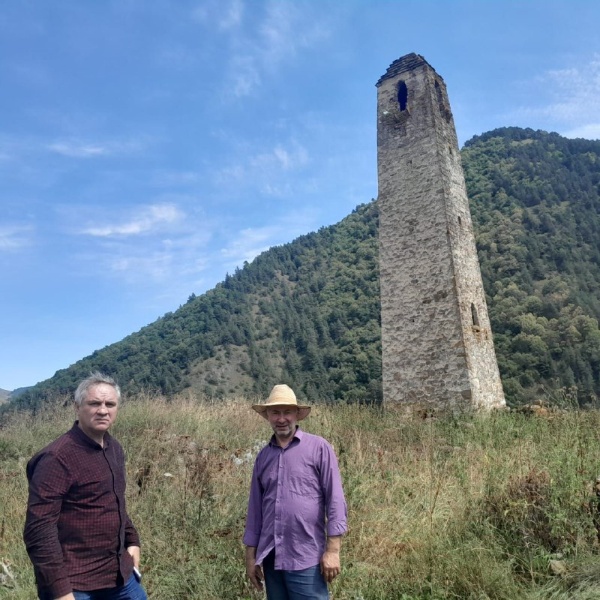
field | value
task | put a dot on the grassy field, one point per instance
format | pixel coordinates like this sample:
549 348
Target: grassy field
498 507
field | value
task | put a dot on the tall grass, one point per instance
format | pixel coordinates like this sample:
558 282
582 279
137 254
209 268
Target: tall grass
498 506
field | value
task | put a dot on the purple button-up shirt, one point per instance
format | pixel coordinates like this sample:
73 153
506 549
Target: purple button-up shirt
296 497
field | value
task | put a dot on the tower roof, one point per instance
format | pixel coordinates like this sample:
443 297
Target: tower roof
405 63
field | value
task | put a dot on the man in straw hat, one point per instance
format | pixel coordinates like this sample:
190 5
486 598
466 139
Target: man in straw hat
296 511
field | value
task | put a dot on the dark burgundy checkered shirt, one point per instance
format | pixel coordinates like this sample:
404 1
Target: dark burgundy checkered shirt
77 529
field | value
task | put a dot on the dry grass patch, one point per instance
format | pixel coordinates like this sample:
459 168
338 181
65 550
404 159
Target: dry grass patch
444 508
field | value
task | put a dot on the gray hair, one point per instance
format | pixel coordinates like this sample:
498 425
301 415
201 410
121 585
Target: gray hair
95 378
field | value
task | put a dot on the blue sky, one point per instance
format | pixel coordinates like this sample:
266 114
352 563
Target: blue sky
148 147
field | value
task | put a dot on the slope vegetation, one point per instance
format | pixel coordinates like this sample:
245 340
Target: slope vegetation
307 312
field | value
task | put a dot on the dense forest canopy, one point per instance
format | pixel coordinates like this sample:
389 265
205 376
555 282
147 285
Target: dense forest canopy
535 201
307 313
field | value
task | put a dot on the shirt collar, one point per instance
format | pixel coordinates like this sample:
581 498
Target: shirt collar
297 436
84 439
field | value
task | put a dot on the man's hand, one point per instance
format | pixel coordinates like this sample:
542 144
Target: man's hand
69 596
330 565
134 551
253 571
330 561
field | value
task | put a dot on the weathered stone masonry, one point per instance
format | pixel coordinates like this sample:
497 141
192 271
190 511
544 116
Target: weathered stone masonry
437 343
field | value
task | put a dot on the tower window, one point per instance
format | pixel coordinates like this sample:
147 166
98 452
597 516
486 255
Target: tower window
444 107
402 95
474 315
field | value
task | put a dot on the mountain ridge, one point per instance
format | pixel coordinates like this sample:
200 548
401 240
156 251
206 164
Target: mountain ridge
307 312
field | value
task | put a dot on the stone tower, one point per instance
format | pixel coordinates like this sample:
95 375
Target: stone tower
437 344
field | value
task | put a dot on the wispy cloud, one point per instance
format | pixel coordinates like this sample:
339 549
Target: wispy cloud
261 44
164 242
577 91
78 150
244 74
170 260
15 237
248 243
573 104
222 14
173 261
286 30
279 159
74 148
265 170
590 131
148 219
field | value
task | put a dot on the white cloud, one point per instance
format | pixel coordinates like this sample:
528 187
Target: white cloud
155 266
170 261
264 170
244 75
77 150
232 15
573 100
260 39
577 91
220 13
74 148
591 131
248 243
149 218
158 243
280 158
285 29
14 237
281 33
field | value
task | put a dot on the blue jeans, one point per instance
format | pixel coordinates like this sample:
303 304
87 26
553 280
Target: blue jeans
307 584
132 590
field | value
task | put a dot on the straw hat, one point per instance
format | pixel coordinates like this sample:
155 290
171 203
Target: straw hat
282 395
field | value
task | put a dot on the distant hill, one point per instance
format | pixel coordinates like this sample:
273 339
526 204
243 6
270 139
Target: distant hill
4 395
307 313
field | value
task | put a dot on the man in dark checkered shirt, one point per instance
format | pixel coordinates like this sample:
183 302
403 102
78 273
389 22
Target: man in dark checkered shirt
81 541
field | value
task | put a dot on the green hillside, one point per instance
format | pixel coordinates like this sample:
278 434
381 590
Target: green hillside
307 313
535 200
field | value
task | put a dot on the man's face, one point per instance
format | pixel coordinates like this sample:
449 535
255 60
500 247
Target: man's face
283 420
98 411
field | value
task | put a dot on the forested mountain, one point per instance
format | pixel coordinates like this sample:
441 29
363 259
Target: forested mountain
307 313
535 201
